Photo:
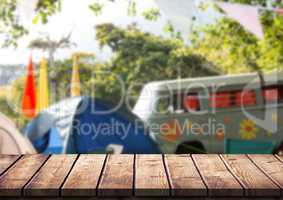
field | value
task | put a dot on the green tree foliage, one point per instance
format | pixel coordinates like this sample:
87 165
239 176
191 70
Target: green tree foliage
46 8
138 58
12 30
96 8
132 8
152 14
141 57
234 50
10 26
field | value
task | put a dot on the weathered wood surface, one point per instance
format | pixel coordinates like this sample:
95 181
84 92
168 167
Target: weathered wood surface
12 182
6 162
138 176
84 177
150 176
219 180
117 178
184 177
255 182
271 166
49 179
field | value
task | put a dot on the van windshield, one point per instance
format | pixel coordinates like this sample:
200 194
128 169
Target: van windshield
146 103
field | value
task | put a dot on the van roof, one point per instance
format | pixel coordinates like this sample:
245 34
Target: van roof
224 80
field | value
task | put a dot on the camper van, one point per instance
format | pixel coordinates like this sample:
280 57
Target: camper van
222 114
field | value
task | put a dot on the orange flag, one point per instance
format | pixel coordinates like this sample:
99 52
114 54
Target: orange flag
75 84
29 96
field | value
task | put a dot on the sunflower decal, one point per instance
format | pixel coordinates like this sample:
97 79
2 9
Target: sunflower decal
248 129
171 131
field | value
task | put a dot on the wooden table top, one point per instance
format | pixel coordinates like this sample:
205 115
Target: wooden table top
195 176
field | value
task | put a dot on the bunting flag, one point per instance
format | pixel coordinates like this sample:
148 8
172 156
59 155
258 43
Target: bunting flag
246 15
29 96
43 91
75 84
279 11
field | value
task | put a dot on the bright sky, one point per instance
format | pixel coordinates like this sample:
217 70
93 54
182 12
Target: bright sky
76 16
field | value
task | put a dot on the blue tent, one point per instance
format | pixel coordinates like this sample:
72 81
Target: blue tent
86 125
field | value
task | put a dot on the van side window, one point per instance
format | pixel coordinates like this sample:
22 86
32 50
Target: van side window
246 98
273 94
221 100
163 105
229 99
191 102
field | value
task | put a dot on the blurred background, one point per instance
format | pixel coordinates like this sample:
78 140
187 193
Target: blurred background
140 41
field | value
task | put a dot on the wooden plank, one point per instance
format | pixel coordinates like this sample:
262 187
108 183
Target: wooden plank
184 177
271 166
12 182
117 178
48 180
83 179
150 176
219 180
6 161
254 181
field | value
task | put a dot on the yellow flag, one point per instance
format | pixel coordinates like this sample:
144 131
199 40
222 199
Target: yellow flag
43 91
75 84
